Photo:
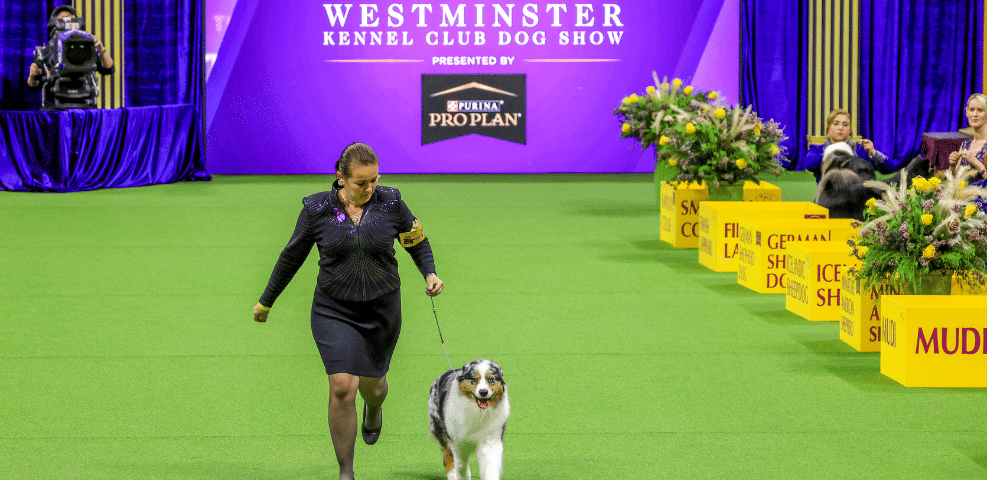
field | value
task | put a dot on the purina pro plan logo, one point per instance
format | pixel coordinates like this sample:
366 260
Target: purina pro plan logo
458 105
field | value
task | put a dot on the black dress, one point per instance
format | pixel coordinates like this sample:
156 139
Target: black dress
356 310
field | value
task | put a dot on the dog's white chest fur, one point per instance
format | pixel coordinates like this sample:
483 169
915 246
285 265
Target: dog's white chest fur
466 422
468 410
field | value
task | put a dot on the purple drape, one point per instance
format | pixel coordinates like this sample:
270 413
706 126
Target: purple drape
79 150
164 48
920 60
773 69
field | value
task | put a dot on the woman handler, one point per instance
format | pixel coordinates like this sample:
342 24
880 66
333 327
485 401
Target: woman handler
356 310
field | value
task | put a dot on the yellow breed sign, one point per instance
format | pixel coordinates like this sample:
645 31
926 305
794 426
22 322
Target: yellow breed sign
762 255
934 341
860 314
813 275
719 227
680 203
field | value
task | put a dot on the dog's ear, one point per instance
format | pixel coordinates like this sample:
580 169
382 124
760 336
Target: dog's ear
468 371
497 373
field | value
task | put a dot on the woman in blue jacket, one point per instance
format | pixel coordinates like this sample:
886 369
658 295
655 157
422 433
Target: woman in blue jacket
838 130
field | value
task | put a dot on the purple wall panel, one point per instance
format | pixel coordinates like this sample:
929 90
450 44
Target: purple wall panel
282 101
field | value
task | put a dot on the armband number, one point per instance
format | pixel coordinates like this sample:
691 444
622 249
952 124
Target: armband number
414 237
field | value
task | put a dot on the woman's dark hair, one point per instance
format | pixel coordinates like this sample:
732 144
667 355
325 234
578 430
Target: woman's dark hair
358 152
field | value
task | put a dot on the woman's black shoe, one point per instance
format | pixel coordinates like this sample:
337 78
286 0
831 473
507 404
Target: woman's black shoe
370 435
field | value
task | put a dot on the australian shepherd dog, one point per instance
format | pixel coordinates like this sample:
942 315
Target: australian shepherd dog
467 411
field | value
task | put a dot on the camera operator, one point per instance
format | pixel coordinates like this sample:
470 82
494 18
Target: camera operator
39 78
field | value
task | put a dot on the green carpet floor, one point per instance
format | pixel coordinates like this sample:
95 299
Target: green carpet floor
127 349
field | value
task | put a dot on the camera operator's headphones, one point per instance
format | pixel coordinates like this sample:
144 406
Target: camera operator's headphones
54 15
63 8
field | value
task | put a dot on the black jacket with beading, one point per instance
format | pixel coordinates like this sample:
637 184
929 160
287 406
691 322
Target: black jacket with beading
356 262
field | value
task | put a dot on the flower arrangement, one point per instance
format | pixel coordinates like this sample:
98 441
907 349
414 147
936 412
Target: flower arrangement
934 226
700 137
645 117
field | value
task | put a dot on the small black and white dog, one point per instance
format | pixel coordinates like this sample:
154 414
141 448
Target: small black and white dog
467 411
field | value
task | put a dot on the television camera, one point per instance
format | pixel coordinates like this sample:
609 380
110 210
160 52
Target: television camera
68 62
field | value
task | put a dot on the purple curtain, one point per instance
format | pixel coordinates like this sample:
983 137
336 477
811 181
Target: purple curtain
920 60
79 150
164 49
773 67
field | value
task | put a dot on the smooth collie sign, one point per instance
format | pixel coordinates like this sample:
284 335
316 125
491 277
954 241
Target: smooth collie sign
458 87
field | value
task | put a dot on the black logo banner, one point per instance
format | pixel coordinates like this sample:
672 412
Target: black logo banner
489 105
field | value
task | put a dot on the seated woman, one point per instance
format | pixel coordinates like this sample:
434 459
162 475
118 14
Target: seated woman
838 130
972 151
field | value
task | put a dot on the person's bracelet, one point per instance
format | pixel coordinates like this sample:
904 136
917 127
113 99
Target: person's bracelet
262 307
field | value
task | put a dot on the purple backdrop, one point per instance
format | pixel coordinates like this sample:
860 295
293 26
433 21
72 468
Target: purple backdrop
286 92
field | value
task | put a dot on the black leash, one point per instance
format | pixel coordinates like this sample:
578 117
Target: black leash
440 332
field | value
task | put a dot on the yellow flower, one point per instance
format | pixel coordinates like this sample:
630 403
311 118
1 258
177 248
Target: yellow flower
934 181
625 127
741 163
634 98
929 251
673 162
687 90
757 129
870 202
719 112
677 82
970 210
920 184
963 184
663 140
651 90
690 128
626 100
775 150
927 219
713 95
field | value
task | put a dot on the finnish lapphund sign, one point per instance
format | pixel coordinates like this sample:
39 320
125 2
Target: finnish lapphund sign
459 105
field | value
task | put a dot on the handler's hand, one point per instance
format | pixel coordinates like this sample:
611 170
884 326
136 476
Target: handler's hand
434 285
869 146
260 315
955 157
